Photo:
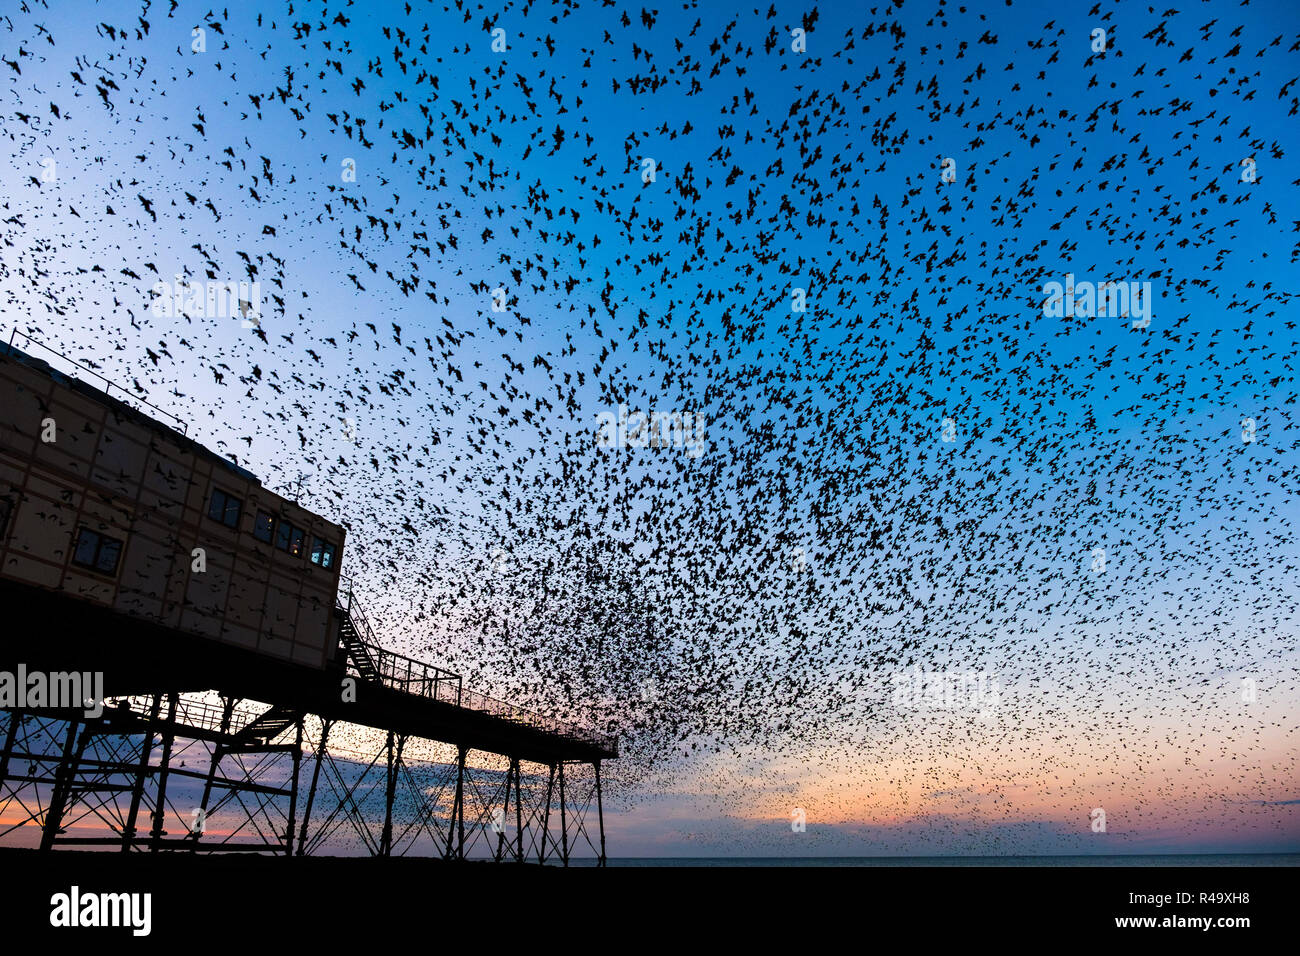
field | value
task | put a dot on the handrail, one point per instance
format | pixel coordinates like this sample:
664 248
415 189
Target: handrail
411 676
192 713
108 383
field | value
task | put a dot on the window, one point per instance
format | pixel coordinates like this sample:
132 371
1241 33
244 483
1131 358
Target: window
264 526
224 508
96 551
322 553
290 538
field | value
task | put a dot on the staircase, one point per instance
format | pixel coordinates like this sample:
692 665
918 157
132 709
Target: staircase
358 650
267 726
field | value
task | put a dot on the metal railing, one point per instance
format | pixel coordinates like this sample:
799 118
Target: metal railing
397 671
473 700
108 383
189 713
411 676
416 677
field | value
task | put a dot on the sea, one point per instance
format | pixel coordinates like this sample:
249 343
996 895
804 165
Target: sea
1124 860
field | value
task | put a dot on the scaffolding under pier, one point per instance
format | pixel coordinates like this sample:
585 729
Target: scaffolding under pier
273 768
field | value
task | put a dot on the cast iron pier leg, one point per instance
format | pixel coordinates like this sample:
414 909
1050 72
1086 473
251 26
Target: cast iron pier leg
62 782
218 752
15 721
137 791
501 837
315 778
160 806
460 800
519 814
564 827
293 791
546 817
394 762
600 811
457 807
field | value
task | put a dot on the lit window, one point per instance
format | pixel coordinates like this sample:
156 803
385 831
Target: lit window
96 551
264 526
289 538
224 508
322 553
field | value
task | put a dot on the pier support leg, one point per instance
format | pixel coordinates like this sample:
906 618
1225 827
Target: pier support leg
293 789
519 814
546 818
386 836
505 808
564 828
460 800
394 768
11 734
315 778
62 783
160 808
142 773
218 751
457 810
600 815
